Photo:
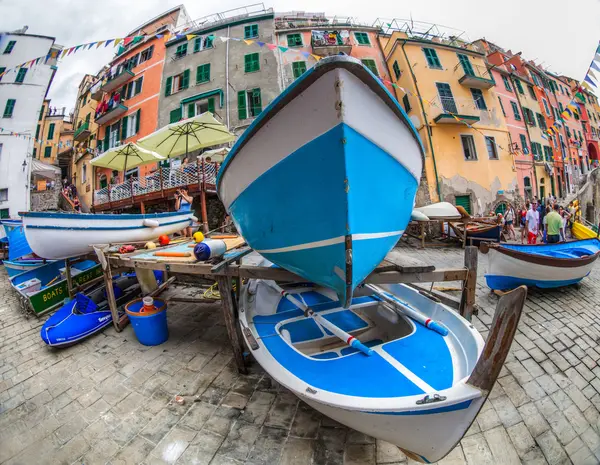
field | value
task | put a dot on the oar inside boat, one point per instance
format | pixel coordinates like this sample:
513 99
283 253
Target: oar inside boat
324 323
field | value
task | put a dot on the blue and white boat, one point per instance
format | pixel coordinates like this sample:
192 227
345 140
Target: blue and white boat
20 256
323 182
64 235
412 386
543 265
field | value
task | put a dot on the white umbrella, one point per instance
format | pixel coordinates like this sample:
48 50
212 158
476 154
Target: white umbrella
187 136
125 157
45 170
215 155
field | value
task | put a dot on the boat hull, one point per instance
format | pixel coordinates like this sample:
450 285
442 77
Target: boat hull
16 267
63 235
324 182
526 265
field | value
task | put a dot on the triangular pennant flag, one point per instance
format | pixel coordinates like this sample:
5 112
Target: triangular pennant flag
305 54
544 136
137 39
597 57
593 65
580 96
591 73
589 79
118 41
248 41
565 115
127 41
78 47
107 42
395 86
598 49
159 36
259 43
64 52
236 39
283 49
179 36
31 63
586 87
316 57
190 36
224 39
271 46
99 43
38 60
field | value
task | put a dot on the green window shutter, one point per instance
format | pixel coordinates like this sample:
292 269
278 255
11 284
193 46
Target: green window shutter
9 108
197 44
51 131
242 113
362 38
524 147
294 40
298 68
432 59
501 106
9 47
168 86
191 110
211 105
37 132
251 31
516 112
48 152
256 102
519 87
406 103
396 69
203 73
106 138
463 201
138 85
21 75
251 62
41 113
175 115
34 152
2 69
185 82
371 65
138 117
87 117
124 128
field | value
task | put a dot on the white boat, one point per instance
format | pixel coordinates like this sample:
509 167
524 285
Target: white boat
439 210
63 235
418 389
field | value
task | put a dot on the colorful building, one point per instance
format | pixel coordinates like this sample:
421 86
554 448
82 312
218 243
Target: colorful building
590 121
54 137
128 92
448 93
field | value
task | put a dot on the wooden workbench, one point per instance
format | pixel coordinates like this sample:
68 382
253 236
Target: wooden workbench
396 268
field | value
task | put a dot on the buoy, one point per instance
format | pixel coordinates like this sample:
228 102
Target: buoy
198 236
210 248
164 240
150 245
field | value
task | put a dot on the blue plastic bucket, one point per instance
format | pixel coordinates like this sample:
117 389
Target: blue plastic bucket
150 328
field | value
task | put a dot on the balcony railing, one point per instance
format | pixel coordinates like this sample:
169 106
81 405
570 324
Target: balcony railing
448 110
82 132
475 76
160 184
115 81
114 111
326 43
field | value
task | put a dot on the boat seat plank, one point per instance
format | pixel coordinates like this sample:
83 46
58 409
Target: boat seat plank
307 329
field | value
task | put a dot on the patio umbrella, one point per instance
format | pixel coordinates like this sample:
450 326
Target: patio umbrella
125 157
188 135
215 155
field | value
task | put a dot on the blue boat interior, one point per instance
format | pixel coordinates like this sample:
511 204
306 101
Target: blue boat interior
50 273
300 345
576 249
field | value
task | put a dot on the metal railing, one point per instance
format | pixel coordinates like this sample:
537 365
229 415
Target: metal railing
85 126
457 106
477 71
159 181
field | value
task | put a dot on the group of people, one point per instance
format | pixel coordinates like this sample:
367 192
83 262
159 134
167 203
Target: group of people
70 192
550 221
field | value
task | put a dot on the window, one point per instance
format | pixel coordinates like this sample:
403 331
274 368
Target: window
371 65
546 107
541 121
145 55
133 88
2 69
516 112
432 59
478 98
298 68
531 92
3 196
130 125
406 103
203 43
466 64
249 103
37 131
560 106
203 73
501 106
362 38
4 212
250 32
562 146
202 106
138 85
535 80
506 84
529 118
468 144
524 146
51 127
41 113
294 40
519 87
536 149
568 131
175 115
9 108
492 149
47 152
251 63
83 173
9 47
113 137
446 97
181 50
21 75
396 69
463 201
177 83
547 153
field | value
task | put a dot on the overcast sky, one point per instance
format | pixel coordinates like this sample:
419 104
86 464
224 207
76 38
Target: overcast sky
561 35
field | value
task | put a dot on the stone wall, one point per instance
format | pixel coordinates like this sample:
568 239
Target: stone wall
46 200
589 197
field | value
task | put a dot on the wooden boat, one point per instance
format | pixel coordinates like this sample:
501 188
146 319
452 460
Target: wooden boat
20 256
416 389
323 182
479 232
544 265
63 235
86 315
45 288
440 210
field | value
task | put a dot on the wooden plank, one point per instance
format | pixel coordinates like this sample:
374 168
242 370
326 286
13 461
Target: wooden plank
391 277
467 301
233 257
230 318
162 287
69 277
499 340
407 264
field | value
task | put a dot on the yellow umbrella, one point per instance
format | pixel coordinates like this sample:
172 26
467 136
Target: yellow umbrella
125 157
215 155
187 136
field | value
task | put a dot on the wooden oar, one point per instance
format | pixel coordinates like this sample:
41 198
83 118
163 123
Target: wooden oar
407 310
324 323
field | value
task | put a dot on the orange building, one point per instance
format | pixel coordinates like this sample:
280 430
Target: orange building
128 91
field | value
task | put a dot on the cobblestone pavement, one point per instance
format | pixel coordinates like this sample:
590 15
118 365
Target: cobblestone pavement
110 400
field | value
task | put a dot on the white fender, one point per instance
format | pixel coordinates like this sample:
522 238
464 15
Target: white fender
151 223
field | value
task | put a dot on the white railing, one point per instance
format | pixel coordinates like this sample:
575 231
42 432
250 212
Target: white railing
159 181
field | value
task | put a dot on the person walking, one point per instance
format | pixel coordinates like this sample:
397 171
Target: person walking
554 224
183 203
523 218
510 219
532 223
566 218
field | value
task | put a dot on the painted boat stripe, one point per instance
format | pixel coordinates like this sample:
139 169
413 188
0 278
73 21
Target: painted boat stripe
333 241
112 228
448 408
405 371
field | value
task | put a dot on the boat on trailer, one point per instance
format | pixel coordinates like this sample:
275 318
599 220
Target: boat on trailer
64 235
380 366
323 182
542 265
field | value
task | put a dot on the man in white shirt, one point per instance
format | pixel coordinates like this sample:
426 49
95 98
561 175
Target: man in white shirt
532 223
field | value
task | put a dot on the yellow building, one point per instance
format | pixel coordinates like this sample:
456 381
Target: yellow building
53 136
85 142
446 88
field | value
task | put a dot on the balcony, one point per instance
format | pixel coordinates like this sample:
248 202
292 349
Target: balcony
113 112
96 91
327 43
477 77
117 81
83 132
449 110
161 184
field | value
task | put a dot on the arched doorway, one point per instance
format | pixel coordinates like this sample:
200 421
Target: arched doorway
593 152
